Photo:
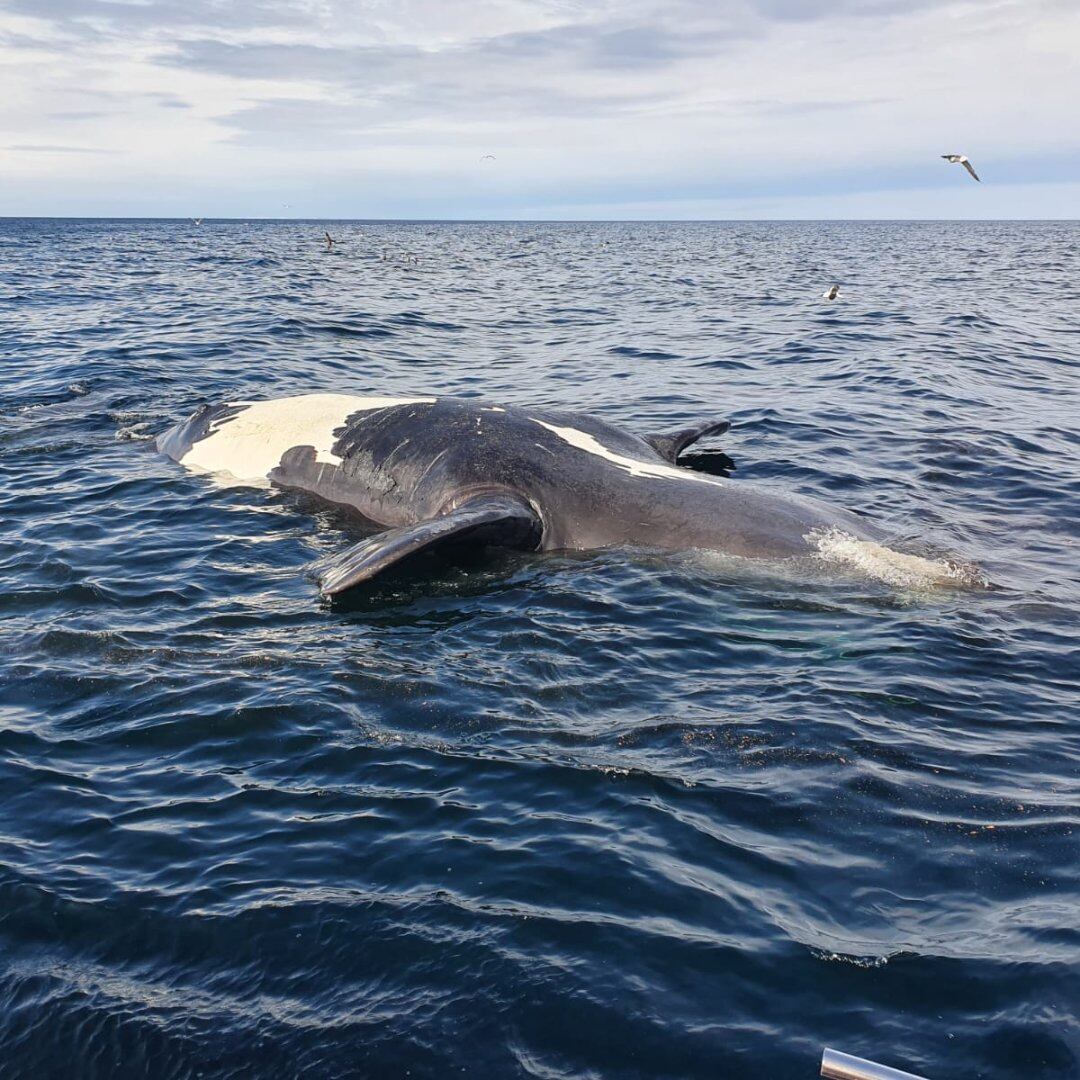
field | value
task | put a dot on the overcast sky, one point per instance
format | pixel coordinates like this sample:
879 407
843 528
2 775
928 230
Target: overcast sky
591 108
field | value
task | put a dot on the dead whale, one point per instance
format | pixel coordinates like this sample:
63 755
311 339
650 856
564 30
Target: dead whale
442 472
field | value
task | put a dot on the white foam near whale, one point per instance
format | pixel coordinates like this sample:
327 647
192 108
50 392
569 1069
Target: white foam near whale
832 550
250 443
895 568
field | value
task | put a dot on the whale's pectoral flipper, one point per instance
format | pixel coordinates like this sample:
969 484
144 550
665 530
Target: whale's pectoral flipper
484 521
670 444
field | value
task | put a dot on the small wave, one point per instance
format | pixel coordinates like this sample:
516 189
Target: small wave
135 432
896 568
642 354
852 958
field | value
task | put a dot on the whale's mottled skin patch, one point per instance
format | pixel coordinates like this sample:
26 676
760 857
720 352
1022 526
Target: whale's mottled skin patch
251 439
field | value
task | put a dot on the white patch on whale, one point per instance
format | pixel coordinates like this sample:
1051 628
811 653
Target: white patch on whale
583 441
251 443
895 568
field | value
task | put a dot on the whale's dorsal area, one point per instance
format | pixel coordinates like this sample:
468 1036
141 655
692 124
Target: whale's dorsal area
633 466
247 439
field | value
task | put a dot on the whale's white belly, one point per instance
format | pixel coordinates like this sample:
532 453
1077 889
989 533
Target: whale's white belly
249 444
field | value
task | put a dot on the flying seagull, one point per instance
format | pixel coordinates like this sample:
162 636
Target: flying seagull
960 159
488 157
329 241
197 220
832 294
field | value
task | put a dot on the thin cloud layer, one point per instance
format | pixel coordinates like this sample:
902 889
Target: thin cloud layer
685 108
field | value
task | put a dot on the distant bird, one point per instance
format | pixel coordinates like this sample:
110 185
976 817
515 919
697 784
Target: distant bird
197 220
960 159
488 157
329 241
832 294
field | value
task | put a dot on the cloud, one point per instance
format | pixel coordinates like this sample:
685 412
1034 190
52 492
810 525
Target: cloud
78 114
116 17
47 148
355 66
168 101
578 48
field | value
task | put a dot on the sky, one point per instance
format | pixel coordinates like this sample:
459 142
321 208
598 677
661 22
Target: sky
590 109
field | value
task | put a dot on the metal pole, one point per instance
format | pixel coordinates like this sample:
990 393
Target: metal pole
837 1066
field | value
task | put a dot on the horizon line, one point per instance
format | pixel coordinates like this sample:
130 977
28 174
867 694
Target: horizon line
531 220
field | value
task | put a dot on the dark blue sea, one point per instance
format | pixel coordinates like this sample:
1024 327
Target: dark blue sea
592 816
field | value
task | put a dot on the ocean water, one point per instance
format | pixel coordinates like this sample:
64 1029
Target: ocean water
600 815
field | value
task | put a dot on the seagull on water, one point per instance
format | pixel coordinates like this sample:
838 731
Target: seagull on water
960 159
832 294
